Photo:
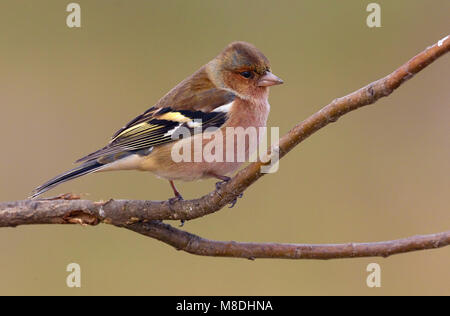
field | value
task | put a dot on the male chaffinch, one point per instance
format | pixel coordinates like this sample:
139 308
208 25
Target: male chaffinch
230 91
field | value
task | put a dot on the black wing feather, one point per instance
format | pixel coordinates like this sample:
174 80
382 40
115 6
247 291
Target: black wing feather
152 129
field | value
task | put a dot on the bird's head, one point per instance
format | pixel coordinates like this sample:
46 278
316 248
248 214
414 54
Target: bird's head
242 69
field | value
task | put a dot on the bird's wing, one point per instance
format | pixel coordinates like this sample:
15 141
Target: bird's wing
155 127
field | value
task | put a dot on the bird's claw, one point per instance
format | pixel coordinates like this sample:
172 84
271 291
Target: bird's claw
175 199
221 183
233 203
219 186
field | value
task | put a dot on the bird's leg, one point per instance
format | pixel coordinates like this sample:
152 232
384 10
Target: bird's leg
177 197
219 184
175 192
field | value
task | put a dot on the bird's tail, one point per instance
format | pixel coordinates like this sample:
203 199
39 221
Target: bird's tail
87 167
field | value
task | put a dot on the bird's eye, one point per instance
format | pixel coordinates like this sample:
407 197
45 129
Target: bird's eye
246 74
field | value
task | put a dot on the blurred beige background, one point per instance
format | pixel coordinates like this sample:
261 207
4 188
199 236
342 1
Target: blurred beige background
379 173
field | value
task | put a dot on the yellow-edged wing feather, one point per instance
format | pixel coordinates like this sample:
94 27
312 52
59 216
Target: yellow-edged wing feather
153 128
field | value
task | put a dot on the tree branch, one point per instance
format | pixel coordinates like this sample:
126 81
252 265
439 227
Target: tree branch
194 244
144 216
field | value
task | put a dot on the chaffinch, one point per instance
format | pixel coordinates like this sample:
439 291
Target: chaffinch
230 91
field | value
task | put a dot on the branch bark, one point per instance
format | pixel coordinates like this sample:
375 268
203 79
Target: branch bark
145 216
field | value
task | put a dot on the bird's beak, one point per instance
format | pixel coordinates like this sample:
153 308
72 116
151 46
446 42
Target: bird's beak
269 79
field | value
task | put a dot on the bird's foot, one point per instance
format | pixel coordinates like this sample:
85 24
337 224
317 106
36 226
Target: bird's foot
175 199
233 203
221 183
